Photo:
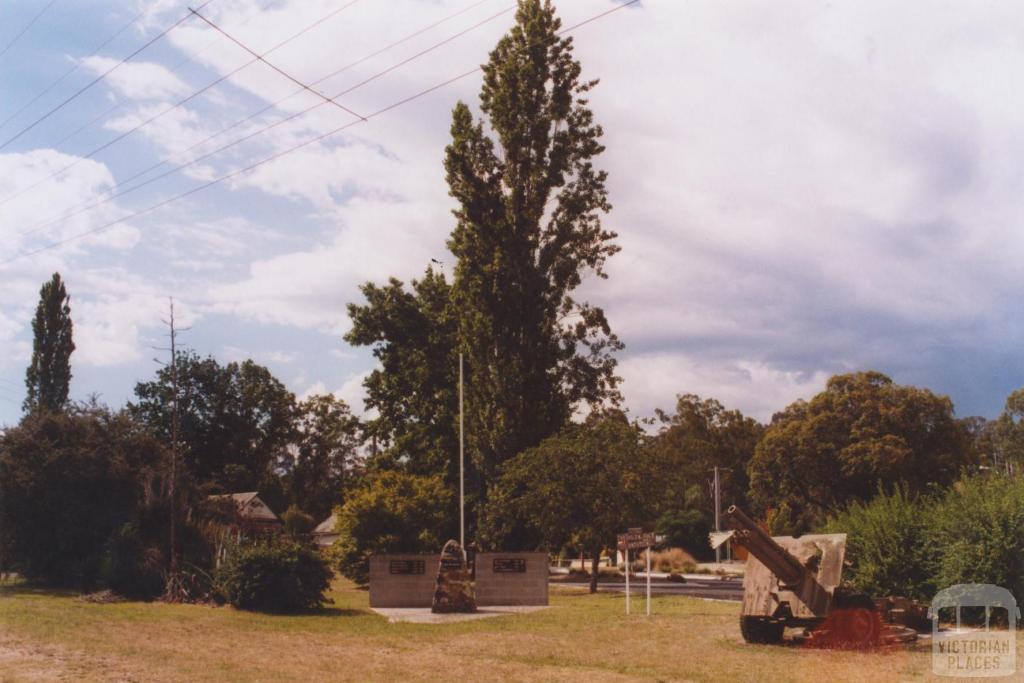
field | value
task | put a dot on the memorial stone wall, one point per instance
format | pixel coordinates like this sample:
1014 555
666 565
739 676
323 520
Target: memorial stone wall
501 579
511 579
403 580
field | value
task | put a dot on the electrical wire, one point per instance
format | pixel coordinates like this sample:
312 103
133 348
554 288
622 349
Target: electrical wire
75 67
23 31
281 101
179 103
277 155
98 79
284 73
110 197
174 69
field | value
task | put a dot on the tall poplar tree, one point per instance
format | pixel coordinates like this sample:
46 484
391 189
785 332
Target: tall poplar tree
48 377
528 230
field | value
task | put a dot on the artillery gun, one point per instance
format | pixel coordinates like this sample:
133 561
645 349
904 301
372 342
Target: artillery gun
795 582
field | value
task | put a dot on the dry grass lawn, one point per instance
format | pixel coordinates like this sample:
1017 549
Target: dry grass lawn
50 636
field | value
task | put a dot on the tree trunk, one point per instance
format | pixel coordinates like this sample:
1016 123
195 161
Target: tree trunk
594 566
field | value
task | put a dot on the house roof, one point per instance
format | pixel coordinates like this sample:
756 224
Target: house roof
250 506
327 526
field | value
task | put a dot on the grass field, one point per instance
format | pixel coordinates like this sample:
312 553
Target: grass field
49 636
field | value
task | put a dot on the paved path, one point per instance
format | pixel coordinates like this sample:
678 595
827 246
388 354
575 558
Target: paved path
423 615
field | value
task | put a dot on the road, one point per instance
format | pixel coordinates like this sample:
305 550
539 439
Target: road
697 588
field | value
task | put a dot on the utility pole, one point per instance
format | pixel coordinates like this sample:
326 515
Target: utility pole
175 590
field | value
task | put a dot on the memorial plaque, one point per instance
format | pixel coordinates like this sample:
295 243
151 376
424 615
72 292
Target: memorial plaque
509 565
407 567
454 591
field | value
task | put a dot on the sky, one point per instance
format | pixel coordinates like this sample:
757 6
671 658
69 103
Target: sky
800 188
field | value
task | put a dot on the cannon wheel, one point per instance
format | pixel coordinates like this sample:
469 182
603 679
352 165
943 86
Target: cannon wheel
761 630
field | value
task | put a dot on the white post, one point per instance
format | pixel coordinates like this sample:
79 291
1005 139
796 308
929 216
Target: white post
626 551
648 580
462 463
718 550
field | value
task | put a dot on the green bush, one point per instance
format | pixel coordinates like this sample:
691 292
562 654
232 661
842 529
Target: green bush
392 512
280 576
134 569
890 545
901 544
980 526
297 522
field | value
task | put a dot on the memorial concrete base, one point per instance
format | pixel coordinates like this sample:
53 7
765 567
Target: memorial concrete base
423 615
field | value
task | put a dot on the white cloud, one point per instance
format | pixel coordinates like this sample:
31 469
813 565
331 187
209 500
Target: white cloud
137 80
800 189
654 380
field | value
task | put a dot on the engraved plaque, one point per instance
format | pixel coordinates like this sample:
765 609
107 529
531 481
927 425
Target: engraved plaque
509 565
407 567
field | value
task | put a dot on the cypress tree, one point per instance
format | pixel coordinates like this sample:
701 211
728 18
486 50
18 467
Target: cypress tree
49 375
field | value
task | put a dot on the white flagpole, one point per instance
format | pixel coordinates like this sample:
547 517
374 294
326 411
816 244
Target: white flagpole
648 580
626 551
462 464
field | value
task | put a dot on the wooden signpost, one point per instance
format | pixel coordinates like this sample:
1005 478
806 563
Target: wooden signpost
635 539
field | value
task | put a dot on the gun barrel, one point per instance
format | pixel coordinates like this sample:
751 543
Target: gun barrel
764 548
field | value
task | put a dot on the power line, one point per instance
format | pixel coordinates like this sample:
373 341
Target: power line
174 106
98 79
110 197
334 73
274 67
74 67
290 150
23 31
174 69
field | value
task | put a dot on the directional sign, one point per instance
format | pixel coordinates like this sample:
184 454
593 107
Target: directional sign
634 539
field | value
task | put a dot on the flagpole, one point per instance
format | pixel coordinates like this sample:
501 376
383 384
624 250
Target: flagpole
462 464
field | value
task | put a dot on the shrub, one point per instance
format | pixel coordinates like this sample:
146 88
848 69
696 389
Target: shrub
392 512
297 522
890 544
980 526
670 560
280 576
134 569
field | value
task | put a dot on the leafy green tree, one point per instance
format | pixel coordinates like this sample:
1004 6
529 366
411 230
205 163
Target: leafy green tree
579 488
48 377
687 528
326 455
414 391
392 512
862 431
700 435
68 482
528 230
1008 434
236 422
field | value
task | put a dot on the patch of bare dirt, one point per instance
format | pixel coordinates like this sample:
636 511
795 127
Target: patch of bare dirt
23 662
